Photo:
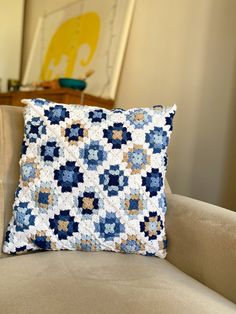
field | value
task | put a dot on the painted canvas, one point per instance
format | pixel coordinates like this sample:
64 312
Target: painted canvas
85 35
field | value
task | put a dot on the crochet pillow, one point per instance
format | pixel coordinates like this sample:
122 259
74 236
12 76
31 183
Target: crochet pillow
91 179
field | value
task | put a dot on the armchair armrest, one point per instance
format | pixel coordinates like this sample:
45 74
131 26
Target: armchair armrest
202 242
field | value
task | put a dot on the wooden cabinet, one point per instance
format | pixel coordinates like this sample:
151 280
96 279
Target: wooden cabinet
61 95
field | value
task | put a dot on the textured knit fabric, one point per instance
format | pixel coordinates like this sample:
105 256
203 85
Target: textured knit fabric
91 179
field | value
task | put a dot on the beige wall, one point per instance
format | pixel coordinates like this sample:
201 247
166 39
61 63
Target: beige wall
11 17
182 51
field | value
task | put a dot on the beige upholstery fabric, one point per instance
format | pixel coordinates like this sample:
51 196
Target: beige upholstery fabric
167 188
80 282
11 133
202 242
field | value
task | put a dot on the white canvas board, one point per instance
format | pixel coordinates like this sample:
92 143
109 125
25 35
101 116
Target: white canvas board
93 31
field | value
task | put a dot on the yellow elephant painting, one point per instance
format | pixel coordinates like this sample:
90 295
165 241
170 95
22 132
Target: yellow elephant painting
62 52
81 37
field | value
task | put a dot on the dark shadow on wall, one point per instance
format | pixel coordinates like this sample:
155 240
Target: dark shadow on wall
228 197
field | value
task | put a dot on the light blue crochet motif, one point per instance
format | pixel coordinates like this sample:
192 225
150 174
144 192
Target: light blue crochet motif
139 118
23 216
91 179
157 139
109 227
93 154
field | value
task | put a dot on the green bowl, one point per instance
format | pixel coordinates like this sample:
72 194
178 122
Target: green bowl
72 83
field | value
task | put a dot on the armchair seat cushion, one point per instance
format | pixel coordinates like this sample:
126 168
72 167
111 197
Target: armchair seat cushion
101 282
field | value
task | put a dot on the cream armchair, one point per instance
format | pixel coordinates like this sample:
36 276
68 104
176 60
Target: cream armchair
198 276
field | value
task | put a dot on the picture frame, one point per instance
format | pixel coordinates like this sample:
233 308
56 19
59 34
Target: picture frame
85 35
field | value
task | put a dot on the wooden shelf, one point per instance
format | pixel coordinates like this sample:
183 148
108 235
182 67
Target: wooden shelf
61 95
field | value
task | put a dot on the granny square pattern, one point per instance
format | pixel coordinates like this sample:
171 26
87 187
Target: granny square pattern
91 179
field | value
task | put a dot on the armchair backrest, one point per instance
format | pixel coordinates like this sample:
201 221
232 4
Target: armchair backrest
11 133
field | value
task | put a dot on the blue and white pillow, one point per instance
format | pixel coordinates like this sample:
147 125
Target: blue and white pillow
91 179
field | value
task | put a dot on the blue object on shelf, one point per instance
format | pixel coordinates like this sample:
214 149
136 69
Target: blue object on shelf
72 83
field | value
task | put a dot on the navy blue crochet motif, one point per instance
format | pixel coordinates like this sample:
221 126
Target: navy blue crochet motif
153 182
20 249
24 147
40 101
68 176
97 115
50 150
56 114
117 135
34 129
169 120
151 225
63 225
43 242
113 180
91 179
88 203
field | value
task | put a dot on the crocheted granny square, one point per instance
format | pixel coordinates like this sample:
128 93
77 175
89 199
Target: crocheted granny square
91 179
